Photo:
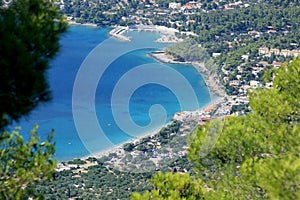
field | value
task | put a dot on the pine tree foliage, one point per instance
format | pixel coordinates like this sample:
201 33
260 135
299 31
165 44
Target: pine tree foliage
256 156
24 163
29 35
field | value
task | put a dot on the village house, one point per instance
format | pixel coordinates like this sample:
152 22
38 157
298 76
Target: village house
271 31
226 79
263 51
285 52
269 85
216 54
276 64
296 52
235 83
274 51
136 153
238 76
255 33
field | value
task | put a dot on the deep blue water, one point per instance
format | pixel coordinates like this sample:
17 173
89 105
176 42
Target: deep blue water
76 44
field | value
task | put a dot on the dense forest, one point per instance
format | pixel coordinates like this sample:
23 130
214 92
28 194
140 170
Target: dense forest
106 180
213 26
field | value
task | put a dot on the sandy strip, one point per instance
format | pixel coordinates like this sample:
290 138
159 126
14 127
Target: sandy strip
119 148
79 24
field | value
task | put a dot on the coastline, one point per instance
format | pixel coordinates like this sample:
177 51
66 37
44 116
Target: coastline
121 153
118 149
214 87
214 91
73 23
168 35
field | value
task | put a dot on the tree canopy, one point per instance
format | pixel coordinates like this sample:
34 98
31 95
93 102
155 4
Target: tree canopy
29 34
24 163
256 156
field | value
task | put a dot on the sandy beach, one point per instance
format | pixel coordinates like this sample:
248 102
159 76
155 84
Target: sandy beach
168 35
79 24
118 149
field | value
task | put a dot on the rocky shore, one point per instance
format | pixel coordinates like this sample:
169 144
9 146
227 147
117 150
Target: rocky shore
211 81
163 57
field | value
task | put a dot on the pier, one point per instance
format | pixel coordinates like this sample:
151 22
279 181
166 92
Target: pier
118 33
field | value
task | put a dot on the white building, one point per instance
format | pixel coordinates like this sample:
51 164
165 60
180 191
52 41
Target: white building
174 5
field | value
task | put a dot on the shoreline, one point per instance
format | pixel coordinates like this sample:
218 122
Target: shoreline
119 147
215 89
73 23
216 95
168 35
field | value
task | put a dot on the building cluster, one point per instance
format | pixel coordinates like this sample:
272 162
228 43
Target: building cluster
249 76
264 51
198 5
198 116
146 11
149 11
62 166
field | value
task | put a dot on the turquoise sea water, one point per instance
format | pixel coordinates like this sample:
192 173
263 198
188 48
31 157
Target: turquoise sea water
57 114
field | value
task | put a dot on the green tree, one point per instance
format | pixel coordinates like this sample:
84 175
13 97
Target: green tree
24 163
172 186
255 156
128 146
29 34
